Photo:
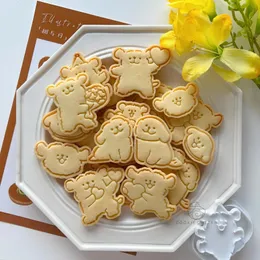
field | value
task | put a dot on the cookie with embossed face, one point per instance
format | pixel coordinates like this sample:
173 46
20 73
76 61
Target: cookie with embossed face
199 145
187 180
92 67
114 142
62 160
129 109
177 102
204 117
147 190
77 104
96 193
153 144
135 70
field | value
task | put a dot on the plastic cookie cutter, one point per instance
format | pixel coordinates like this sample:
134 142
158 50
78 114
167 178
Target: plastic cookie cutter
222 233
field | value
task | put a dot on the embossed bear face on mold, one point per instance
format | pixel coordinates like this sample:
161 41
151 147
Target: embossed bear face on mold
62 160
71 88
153 181
152 128
132 58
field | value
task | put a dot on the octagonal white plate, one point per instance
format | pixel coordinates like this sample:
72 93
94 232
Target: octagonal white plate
219 181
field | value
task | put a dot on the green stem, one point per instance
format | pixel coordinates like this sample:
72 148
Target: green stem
233 37
249 33
256 45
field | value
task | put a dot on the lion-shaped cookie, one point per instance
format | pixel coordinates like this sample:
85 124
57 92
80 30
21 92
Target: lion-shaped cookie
147 190
177 102
51 124
199 145
204 117
114 142
187 180
76 103
95 191
129 109
153 143
62 160
92 67
135 70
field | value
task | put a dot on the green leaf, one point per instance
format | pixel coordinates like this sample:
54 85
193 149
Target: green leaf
251 9
257 28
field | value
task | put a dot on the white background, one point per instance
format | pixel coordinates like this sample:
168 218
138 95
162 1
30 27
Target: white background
15 22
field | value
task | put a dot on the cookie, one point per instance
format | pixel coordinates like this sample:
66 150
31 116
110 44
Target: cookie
204 117
199 145
177 102
187 180
92 67
129 109
114 142
147 190
177 127
153 144
135 70
51 123
62 160
95 192
76 103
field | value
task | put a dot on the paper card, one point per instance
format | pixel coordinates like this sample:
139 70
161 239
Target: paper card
51 27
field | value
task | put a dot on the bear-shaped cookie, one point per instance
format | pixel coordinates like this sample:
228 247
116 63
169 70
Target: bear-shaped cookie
114 142
187 180
135 70
129 109
51 124
92 67
77 104
147 190
177 102
62 160
199 145
153 143
204 117
96 193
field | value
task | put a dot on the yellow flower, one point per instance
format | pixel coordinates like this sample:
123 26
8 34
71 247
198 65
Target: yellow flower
207 36
178 39
243 62
207 6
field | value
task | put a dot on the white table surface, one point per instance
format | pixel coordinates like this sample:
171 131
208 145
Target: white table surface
15 23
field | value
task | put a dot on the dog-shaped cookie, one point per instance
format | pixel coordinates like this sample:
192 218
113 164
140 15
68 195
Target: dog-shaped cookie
177 102
135 70
114 142
95 191
147 190
62 160
153 143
